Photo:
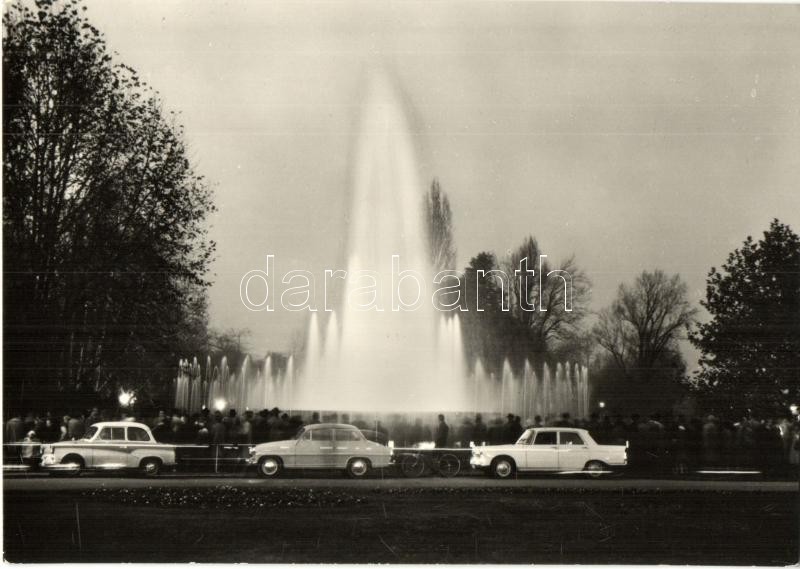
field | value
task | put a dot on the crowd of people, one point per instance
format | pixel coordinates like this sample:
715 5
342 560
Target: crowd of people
711 441
175 426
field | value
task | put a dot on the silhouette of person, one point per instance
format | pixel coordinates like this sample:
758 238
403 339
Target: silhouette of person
442 433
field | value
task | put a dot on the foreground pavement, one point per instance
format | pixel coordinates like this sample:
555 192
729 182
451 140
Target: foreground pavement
299 519
44 483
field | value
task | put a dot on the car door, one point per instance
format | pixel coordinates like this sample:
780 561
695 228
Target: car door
314 449
348 442
573 452
306 450
327 451
137 438
543 453
110 448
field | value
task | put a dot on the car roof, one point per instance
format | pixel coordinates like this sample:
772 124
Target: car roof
573 429
331 426
120 424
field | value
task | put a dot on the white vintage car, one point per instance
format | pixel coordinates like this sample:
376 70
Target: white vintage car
321 446
554 449
114 445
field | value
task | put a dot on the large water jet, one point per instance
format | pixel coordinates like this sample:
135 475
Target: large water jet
387 359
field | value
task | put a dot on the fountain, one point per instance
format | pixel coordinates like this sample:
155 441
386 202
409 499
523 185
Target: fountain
385 360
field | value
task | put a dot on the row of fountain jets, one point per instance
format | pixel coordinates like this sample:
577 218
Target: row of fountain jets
320 383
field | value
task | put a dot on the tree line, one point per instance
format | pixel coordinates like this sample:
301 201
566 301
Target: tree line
750 347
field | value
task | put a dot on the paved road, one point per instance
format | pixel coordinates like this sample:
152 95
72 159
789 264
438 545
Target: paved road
44 484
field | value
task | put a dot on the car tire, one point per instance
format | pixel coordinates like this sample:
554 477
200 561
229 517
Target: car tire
503 468
358 467
595 468
75 459
269 467
150 467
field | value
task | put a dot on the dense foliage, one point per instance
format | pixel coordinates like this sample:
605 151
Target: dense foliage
105 243
751 346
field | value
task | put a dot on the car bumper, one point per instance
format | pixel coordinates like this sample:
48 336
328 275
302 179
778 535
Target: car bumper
480 462
59 467
48 460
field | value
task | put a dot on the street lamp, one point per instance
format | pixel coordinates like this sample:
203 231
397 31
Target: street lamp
602 405
126 398
219 404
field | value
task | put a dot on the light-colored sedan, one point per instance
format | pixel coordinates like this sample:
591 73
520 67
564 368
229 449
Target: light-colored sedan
115 445
321 446
554 449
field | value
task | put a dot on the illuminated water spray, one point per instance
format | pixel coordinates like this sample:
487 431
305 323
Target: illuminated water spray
385 360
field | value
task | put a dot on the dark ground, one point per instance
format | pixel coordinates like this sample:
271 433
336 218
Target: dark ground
419 521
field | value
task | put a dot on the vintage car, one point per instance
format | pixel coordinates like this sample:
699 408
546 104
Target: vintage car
115 445
321 446
553 449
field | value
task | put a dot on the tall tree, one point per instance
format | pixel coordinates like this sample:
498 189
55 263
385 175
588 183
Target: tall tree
556 298
643 324
751 346
484 321
439 223
105 243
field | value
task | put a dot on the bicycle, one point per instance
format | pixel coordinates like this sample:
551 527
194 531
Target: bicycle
414 464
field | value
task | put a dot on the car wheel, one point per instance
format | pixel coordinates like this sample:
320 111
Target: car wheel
269 467
412 466
503 467
449 465
77 463
150 467
358 468
595 468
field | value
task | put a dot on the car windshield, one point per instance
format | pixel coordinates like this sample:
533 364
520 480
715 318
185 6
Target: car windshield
298 434
90 432
525 438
